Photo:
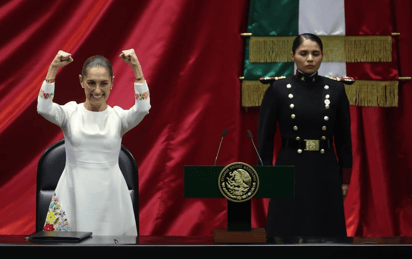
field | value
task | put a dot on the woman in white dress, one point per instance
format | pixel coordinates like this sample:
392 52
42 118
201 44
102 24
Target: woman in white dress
92 194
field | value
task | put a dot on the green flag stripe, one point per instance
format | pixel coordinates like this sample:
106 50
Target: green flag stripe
271 18
256 70
274 18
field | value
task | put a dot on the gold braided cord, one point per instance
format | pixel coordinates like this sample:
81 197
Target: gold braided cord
336 49
361 93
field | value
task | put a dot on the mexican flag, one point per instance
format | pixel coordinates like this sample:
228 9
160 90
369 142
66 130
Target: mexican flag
357 38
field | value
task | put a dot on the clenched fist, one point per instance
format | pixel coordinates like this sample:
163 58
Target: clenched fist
129 56
61 59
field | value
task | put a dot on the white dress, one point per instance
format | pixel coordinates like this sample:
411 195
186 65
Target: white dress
92 194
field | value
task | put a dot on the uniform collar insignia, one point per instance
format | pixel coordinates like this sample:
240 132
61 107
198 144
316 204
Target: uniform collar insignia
305 77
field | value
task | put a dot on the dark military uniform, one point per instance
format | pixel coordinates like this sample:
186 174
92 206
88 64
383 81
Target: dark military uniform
313 115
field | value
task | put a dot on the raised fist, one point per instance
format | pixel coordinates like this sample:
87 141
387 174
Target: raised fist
61 59
129 56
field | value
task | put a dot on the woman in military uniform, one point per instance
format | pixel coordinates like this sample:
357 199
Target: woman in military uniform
314 120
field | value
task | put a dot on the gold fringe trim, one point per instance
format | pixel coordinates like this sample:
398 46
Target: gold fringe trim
361 93
252 93
270 49
373 93
368 48
336 49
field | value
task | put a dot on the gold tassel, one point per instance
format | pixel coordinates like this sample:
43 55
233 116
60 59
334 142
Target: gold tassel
381 96
333 48
392 94
373 93
368 48
336 49
351 93
252 93
270 49
361 93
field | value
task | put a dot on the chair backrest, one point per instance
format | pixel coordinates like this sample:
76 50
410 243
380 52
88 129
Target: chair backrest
51 166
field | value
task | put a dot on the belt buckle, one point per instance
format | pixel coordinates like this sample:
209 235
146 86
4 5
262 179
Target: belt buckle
312 144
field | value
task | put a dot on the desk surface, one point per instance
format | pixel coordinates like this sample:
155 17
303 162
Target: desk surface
20 240
175 240
187 247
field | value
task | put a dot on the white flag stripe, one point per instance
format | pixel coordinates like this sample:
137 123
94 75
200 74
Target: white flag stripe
322 17
333 69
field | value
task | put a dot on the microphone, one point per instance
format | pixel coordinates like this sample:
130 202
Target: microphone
251 138
223 135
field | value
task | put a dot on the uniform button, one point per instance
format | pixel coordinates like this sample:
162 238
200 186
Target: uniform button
327 106
288 86
326 118
295 127
326 87
324 128
291 105
327 96
323 137
297 138
299 150
293 116
327 101
322 151
290 96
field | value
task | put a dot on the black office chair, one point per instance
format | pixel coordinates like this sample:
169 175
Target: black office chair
50 168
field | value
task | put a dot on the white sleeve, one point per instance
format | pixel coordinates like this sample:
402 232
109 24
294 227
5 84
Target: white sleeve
51 111
132 117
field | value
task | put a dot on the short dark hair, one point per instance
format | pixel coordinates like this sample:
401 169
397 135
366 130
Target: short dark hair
97 61
306 36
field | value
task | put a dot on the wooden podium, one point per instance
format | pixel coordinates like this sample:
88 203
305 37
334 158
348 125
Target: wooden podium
275 182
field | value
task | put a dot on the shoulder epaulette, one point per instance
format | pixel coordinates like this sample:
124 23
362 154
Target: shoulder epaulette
268 80
346 80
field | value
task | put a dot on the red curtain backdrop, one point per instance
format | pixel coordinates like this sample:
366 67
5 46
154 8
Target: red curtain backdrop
191 53
380 202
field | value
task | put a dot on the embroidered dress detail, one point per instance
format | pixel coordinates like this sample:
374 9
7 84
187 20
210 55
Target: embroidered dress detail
45 95
56 217
143 96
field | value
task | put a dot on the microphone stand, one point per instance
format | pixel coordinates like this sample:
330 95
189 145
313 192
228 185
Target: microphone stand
223 135
251 138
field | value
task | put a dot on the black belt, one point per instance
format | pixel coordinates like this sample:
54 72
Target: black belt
307 144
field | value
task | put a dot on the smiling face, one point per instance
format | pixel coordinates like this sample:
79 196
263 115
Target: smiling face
97 84
308 56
